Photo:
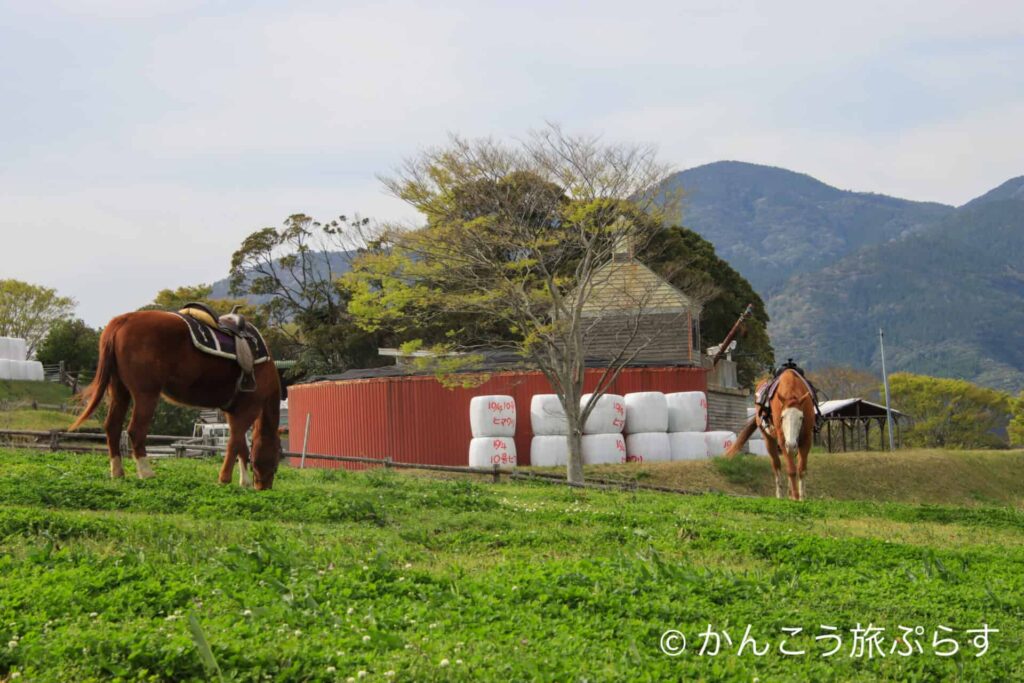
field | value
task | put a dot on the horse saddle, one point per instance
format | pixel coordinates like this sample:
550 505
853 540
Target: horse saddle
766 390
228 336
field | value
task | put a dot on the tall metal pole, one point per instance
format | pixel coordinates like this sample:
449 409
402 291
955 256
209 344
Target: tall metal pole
885 381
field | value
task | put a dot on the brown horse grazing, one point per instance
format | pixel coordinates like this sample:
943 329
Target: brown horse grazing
149 353
791 431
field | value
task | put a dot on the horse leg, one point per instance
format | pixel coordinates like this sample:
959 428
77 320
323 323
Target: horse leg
239 422
773 453
120 401
802 470
138 428
794 492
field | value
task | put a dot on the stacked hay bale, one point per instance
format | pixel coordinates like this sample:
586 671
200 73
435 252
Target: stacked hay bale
13 365
493 423
603 443
647 437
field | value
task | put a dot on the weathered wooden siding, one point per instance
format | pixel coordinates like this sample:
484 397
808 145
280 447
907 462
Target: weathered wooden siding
727 408
668 338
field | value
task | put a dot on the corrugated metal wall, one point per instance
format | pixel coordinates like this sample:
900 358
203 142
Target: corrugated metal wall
416 419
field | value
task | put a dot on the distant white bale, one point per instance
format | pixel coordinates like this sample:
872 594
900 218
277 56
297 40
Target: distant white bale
758 447
608 416
687 411
5 368
5 348
18 370
646 411
488 451
648 447
603 449
719 442
492 416
549 451
688 445
20 349
547 416
35 371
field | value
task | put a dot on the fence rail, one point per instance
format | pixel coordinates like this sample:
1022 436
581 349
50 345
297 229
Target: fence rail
183 445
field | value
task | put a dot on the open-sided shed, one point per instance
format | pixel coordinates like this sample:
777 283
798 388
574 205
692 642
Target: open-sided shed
848 424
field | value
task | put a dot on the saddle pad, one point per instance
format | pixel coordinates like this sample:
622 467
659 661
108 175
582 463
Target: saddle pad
217 343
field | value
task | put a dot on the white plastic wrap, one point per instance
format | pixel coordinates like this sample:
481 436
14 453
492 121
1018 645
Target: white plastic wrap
547 417
18 370
603 449
648 447
492 416
646 411
20 350
35 371
687 411
5 348
5 368
758 447
549 451
489 451
688 445
719 442
608 416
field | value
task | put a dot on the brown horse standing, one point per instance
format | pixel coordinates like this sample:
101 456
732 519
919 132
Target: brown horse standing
149 353
791 433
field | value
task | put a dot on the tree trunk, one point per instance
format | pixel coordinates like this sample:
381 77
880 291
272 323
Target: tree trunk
574 468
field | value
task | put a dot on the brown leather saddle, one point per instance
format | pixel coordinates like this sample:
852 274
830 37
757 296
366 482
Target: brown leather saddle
228 336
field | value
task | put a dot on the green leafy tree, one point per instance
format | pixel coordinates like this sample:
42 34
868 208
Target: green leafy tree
951 413
294 271
517 239
1015 430
689 262
29 311
846 382
72 342
175 299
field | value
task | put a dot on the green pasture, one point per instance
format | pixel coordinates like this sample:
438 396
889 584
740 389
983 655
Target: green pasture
381 576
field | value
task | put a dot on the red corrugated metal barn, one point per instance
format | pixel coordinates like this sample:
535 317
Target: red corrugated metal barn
416 419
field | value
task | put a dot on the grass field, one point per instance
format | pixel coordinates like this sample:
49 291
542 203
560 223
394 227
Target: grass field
42 392
335 573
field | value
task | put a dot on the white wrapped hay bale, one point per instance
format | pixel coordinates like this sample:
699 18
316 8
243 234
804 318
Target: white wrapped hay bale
549 451
646 411
688 445
488 451
603 449
758 447
608 416
719 442
5 348
687 411
17 370
5 368
20 349
547 416
35 371
492 416
648 447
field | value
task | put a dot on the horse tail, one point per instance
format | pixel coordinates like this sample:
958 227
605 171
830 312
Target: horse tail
742 438
104 371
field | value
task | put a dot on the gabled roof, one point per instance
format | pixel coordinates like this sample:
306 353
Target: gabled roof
628 286
847 407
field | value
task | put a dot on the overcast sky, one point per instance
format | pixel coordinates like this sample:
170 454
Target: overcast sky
142 140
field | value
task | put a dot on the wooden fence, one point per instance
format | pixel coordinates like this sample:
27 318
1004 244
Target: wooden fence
189 447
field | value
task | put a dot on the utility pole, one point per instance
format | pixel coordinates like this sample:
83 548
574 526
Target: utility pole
885 381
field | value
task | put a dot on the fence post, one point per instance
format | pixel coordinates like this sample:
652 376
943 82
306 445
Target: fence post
497 475
305 441
54 440
387 462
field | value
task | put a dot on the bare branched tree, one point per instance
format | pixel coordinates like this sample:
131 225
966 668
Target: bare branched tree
521 252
